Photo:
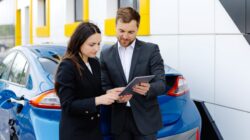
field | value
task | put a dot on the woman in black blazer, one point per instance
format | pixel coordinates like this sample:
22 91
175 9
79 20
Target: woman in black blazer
78 85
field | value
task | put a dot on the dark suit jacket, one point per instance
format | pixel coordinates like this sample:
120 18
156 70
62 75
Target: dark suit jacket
79 116
146 60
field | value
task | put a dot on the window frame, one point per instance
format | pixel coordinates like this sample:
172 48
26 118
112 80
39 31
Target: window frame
136 4
75 11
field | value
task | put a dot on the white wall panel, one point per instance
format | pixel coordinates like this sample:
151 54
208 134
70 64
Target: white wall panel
223 22
196 16
168 47
69 11
232 71
233 124
98 12
35 16
111 8
164 17
7 6
197 65
24 19
23 4
57 21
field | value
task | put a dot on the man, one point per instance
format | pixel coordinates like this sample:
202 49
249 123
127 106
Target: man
135 116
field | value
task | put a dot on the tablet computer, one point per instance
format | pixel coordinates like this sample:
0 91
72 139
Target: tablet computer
137 80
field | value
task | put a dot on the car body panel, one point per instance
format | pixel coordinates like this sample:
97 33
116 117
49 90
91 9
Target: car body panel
45 123
188 119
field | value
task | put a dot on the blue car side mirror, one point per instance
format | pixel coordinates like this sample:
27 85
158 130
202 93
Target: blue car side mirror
5 96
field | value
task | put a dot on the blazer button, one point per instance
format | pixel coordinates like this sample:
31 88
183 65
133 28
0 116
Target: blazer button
98 115
92 118
86 112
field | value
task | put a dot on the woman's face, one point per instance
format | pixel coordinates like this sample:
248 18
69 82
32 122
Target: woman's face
91 46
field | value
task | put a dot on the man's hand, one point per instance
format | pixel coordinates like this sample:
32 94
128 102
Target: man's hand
141 88
124 98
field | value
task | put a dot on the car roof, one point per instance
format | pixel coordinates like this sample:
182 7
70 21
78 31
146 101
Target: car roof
54 52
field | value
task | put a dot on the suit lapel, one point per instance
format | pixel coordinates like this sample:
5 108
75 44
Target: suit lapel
118 62
134 60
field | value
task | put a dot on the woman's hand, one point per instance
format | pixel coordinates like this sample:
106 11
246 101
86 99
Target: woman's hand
110 96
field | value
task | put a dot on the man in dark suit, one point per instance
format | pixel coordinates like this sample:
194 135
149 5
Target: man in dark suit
135 116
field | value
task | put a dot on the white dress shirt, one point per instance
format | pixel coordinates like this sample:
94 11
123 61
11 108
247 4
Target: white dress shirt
89 67
126 54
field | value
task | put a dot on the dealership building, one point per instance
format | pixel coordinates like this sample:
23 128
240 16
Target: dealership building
206 40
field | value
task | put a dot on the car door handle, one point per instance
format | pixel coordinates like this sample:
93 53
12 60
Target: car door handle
21 102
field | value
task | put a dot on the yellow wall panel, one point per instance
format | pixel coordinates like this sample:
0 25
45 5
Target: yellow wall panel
85 10
144 28
42 31
18 31
109 29
70 28
144 7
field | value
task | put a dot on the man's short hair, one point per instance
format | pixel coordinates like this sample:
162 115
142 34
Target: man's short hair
127 14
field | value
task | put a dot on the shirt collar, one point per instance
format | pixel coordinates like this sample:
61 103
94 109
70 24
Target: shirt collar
132 45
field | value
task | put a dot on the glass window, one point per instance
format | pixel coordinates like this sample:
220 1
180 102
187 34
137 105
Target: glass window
24 73
78 10
49 66
19 70
5 65
42 12
129 3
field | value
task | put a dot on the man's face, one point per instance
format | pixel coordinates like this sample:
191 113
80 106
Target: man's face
126 32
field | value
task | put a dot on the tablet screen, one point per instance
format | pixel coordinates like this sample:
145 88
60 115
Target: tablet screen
137 80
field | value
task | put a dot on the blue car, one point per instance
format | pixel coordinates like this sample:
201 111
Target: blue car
30 109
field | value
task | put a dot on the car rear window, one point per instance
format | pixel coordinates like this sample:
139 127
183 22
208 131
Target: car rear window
49 57
49 65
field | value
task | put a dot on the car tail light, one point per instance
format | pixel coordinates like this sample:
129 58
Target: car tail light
179 88
47 99
197 134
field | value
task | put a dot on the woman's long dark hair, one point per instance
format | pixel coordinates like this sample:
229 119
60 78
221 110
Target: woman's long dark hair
81 34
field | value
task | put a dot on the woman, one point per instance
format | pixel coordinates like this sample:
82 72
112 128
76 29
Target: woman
78 85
